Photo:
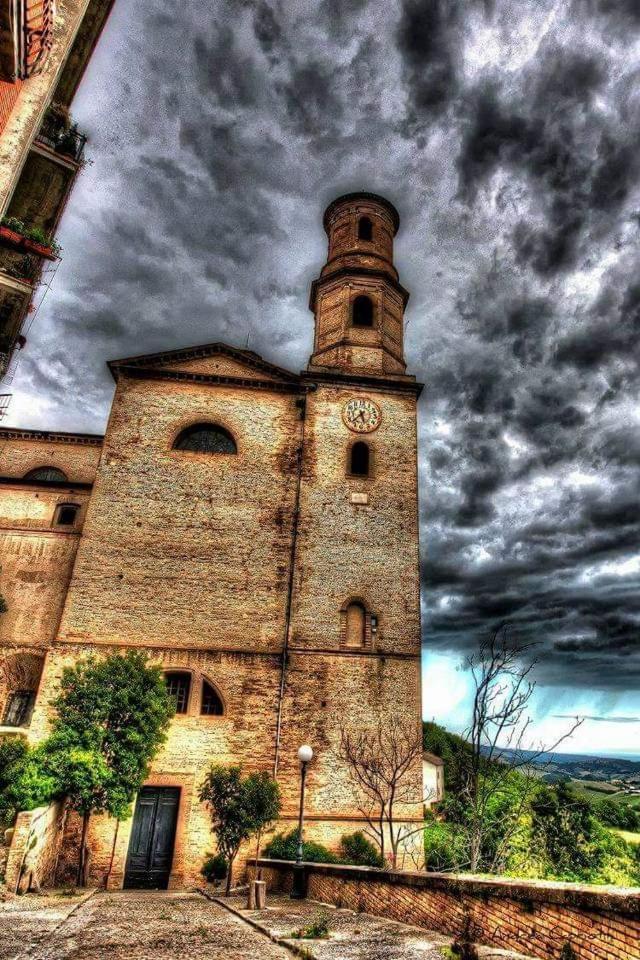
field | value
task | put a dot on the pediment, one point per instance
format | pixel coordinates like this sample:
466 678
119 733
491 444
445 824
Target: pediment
209 360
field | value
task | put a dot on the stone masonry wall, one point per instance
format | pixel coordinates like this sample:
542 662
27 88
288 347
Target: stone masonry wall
534 917
36 555
35 847
353 551
163 523
22 450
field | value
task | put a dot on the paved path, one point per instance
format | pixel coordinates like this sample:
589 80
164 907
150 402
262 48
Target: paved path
132 925
352 936
153 925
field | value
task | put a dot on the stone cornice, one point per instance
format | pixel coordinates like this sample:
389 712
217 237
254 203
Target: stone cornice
361 195
354 271
22 482
340 378
198 352
52 436
212 380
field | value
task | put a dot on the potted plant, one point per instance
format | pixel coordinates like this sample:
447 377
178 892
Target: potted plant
15 232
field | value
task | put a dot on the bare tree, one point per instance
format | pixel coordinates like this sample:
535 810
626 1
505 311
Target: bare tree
499 741
381 762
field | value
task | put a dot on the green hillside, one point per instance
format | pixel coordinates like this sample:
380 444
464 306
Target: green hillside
451 748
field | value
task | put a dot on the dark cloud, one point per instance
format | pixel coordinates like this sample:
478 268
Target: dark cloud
427 40
507 135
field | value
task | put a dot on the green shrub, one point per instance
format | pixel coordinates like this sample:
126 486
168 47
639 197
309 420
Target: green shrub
445 846
358 850
284 846
318 929
214 868
619 815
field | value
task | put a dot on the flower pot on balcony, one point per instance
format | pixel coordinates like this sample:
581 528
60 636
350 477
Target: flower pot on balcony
25 243
34 247
10 236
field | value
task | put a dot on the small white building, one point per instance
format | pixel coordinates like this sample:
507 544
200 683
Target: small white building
433 778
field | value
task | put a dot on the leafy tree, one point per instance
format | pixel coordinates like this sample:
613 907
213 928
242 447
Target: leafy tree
564 826
240 808
452 749
263 799
111 718
619 815
13 756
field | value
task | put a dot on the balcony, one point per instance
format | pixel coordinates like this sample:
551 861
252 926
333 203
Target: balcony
16 236
26 37
60 136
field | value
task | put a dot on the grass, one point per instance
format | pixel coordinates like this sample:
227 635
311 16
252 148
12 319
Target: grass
318 929
595 790
628 835
594 786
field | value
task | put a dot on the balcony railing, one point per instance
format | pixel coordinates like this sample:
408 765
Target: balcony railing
36 20
18 266
61 136
26 37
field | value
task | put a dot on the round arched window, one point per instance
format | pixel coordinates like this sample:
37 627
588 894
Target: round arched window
46 475
206 438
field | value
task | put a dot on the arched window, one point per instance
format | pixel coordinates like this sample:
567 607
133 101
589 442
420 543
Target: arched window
46 475
365 229
362 315
178 687
206 438
359 459
65 515
355 634
19 707
211 702
21 675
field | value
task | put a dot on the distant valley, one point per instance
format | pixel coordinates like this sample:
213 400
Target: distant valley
616 778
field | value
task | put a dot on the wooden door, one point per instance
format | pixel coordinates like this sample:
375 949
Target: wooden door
152 838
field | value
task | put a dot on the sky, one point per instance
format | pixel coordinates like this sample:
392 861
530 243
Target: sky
506 133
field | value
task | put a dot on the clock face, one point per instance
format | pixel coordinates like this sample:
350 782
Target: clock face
361 415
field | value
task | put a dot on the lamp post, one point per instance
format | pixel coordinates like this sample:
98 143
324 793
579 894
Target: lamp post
299 887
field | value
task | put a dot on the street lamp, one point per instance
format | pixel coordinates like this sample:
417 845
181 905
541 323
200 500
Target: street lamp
298 889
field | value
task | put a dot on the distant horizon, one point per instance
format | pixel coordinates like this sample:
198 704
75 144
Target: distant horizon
632 755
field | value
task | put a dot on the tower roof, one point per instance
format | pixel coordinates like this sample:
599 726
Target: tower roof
361 195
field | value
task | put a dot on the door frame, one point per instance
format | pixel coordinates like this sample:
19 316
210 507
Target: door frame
177 790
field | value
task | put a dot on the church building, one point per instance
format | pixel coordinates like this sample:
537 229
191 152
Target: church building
255 531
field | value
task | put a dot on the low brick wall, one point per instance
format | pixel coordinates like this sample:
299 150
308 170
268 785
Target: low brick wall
35 847
535 917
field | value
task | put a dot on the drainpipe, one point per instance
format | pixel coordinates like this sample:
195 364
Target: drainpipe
301 402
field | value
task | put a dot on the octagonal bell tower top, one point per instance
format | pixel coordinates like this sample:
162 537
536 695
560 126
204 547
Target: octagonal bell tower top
358 300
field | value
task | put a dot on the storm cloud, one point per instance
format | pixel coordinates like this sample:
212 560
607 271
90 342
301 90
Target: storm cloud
506 133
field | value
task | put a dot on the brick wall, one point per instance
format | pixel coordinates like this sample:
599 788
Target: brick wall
35 847
535 917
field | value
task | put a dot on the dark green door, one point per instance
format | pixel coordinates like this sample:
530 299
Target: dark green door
152 838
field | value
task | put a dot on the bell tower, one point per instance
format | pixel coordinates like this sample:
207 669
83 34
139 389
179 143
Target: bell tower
357 300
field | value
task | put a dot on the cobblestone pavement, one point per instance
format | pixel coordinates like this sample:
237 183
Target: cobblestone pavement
131 925
25 920
353 936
